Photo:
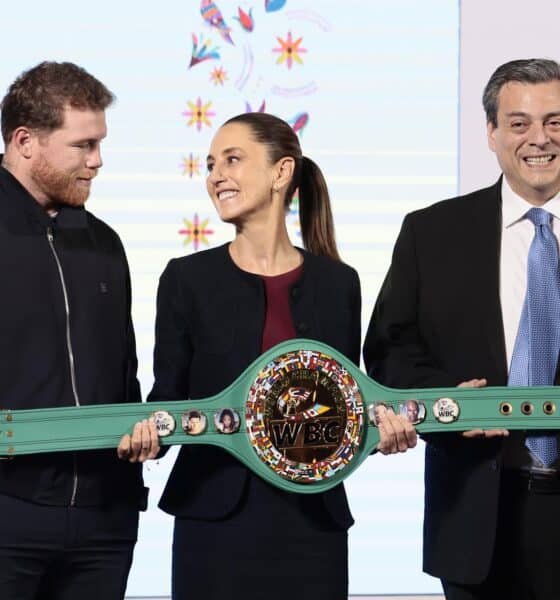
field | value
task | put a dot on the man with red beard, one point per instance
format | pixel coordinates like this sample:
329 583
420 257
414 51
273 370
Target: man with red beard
68 521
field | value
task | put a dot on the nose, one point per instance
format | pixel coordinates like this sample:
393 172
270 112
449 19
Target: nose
93 159
538 135
215 176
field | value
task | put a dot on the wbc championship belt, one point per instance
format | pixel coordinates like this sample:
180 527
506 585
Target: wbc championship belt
302 417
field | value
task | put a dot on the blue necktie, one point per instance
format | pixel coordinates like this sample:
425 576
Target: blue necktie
535 354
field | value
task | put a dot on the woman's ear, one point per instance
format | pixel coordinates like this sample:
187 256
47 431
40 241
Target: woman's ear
283 173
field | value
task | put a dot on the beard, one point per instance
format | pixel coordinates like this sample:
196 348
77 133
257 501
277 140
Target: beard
62 187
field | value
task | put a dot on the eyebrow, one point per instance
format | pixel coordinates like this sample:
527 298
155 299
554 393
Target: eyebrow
227 151
523 114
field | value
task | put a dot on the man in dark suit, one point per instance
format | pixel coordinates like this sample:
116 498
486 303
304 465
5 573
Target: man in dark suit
456 308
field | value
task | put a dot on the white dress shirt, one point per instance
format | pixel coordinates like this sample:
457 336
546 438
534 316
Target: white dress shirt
517 235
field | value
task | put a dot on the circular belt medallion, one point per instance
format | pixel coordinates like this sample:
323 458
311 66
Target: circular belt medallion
194 422
165 422
446 410
305 416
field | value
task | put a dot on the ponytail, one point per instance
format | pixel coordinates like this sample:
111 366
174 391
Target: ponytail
315 214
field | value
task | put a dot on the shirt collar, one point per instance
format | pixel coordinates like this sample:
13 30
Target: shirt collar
514 207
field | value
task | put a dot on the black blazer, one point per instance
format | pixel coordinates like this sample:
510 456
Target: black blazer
210 317
438 322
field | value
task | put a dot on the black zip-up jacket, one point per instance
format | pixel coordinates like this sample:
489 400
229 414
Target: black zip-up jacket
51 356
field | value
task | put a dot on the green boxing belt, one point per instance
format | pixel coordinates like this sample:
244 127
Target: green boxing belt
302 417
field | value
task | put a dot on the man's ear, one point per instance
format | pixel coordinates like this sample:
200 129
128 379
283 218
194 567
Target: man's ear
491 134
23 141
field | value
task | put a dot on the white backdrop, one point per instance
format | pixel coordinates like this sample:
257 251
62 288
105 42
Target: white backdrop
379 84
493 33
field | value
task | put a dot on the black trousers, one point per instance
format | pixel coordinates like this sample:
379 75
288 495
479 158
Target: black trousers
64 553
525 561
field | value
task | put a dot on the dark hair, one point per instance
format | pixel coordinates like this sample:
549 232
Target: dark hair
530 70
315 214
226 412
37 98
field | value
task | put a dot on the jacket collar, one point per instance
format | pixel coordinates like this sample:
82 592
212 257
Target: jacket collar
308 262
18 207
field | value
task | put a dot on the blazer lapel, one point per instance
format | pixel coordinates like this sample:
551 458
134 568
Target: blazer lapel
487 215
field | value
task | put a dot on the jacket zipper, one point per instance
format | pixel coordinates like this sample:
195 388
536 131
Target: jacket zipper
50 239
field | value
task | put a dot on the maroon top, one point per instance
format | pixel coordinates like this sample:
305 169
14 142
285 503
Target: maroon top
278 323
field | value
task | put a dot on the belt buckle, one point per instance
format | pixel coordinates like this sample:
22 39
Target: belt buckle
545 483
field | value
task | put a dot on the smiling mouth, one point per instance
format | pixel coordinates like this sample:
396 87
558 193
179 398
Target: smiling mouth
539 161
226 194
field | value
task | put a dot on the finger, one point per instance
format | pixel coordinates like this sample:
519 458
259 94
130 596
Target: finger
487 433
401 443
474 383
491 433
410 433
381 443
473 433
394 438
123 449
384 439
136 442
146 442
392 444
154 439
406 434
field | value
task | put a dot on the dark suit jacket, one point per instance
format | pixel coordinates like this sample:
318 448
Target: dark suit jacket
438 322
210 318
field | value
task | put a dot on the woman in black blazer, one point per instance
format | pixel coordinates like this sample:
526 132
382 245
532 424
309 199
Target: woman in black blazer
236 536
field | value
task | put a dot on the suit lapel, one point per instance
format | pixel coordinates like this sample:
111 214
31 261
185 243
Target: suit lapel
487 216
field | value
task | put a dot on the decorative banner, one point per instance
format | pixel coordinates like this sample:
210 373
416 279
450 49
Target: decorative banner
308 419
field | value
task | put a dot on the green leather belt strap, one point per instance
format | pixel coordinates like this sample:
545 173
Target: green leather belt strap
302 416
